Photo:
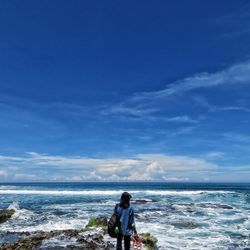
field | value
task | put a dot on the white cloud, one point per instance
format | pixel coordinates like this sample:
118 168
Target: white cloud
176 179
236 74
183 118
214 155
3 173
25 176
140 167
213 108
147 105
233 137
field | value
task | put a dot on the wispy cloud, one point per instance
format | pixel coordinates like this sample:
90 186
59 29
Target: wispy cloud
214 155
151 104
239 73
237 137
236 22
154 105
3 173
215 108
147 114
167 114
184 118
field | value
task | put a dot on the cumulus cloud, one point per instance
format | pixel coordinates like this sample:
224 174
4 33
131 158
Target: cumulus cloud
34 166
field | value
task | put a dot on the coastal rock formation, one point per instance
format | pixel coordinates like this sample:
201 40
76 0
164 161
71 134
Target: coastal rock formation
83 240
92 237
5 214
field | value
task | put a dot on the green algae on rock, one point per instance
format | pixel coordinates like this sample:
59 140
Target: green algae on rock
98 222
5 214
149 241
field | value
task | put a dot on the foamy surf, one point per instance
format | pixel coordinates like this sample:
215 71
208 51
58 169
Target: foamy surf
189 218
108 192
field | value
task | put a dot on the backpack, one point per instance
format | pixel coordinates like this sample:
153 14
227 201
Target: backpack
113 224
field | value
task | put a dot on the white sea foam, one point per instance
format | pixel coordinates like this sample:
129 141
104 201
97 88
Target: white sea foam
52 223
47 227
109 192
21 214
29 221
57 224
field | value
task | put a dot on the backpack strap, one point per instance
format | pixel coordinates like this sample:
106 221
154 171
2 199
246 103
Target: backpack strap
116 209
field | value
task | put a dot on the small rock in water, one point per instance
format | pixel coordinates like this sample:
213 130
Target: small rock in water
140 202
214 205
184 224
225 206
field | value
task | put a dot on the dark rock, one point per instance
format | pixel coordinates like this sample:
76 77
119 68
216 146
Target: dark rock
91 240
5 214
71 233
184 224
141 202
214 205
94 241
32 242
225 206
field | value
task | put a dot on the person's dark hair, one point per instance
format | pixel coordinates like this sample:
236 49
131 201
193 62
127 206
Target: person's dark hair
125 200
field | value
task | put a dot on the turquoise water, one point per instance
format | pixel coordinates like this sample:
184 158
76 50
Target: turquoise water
181 216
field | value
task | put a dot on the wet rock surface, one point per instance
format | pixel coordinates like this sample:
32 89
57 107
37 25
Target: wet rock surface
5 214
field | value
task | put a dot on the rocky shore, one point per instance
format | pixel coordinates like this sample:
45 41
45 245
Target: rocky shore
93 236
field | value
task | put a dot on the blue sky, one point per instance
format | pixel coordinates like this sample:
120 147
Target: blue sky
125 90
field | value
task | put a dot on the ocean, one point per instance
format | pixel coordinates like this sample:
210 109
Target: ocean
179 215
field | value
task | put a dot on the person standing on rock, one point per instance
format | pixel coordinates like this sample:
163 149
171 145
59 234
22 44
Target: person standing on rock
126 216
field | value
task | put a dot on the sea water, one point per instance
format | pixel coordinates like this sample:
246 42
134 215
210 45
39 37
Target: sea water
180 215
